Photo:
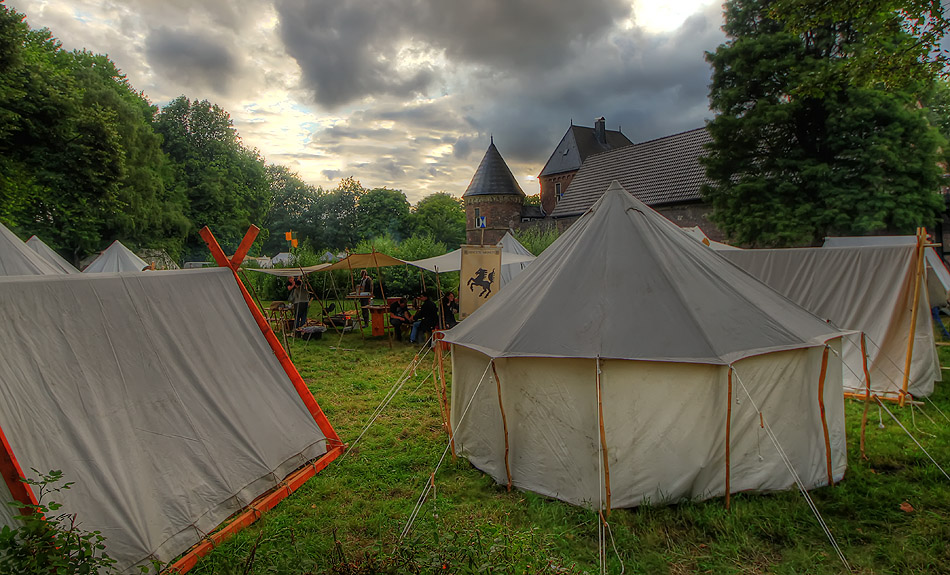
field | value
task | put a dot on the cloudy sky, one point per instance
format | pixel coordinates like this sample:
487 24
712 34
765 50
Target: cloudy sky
406 93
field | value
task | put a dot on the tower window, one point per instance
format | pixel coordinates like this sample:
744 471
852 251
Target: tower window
557 191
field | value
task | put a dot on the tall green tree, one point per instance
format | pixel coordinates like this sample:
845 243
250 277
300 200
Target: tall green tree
441 216
792 159
225 183
383 212
335 215
291 201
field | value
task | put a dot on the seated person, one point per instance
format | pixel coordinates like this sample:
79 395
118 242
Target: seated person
450 307
399 316
426 319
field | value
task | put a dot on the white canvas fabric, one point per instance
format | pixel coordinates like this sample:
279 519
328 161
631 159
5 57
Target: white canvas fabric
17 259
700 236
452 261
156 394
510 245
116 258
51 257
869 289
666 318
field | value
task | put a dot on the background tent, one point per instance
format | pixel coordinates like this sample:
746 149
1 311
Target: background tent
938 276
452 261
157 394
626 303
116 258
17 259
699 235
509 245
51 257
869 289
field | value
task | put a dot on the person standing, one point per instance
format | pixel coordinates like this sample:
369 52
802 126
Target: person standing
366 288
450 307
300 298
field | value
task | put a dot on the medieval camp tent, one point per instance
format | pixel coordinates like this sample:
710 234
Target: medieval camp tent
633 364
17 259
699 235
116 258
510 245
868 289
159 396
513 260
51 257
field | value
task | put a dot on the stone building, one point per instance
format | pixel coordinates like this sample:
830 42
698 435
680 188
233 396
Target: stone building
494 201
578 143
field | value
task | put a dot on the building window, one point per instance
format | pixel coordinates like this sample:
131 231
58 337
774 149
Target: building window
476 214
557 191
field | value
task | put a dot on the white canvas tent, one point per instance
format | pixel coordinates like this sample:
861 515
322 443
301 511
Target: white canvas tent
699 235
938 276
17 259
627 305
51 257
116 258
510 245
452 261
157 394
869 289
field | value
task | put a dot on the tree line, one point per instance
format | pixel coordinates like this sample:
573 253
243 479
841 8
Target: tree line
86 159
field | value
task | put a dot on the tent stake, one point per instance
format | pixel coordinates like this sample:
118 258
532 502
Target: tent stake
913 314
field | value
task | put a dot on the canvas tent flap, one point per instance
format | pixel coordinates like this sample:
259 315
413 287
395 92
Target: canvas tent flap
51 257
290 272
17 259
157 394
869 289
116 258
452 261
624 282
510 269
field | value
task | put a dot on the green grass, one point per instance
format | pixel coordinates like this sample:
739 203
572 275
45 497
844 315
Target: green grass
347 519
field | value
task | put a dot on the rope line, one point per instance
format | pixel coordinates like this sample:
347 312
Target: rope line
791 469
881 403
430 481
407 374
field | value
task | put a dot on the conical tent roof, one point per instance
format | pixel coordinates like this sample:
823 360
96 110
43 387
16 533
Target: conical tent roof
16 259
51 257
116 258
624 282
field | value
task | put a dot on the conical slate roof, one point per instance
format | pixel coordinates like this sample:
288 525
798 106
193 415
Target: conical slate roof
493 177
16 259
51 257
116 258
624 282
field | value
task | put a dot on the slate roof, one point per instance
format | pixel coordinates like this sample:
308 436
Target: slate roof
493 177
578 143
657 172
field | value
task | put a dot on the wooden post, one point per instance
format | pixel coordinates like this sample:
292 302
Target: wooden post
728 435
821 408
443 391
867 392
913 314
603 433
504 422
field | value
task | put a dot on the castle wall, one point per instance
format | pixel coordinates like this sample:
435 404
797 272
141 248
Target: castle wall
501 213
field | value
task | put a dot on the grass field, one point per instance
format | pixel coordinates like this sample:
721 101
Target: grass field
348 518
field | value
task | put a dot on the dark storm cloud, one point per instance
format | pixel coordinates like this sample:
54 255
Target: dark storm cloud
192 59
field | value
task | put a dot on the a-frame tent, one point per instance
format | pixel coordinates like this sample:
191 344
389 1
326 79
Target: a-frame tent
51 257
164 397
510 245
630 364
17 259
116 258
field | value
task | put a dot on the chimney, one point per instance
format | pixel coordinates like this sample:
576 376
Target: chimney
600 130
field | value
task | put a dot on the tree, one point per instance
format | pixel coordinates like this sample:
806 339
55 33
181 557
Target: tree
291 199
442 216
792 161
335 215
383 212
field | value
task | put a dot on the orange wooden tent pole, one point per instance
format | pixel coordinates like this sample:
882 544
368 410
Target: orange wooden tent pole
238 258
821 407
728 435
289 368
13 475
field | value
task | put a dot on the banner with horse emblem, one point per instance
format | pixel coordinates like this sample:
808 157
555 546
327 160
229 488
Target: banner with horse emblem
479 279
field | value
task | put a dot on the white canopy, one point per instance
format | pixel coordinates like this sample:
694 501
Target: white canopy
156 394
51 257
452 261
510 245
116 258
676 339
17 259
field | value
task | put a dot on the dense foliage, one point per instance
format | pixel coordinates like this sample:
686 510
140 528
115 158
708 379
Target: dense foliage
85 160
800 150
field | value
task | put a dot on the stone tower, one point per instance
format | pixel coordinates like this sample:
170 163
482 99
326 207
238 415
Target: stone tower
493 201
